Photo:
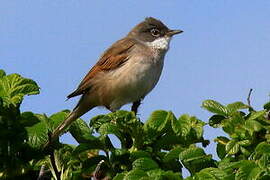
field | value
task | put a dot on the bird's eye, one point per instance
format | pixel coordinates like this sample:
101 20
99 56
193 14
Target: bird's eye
155 32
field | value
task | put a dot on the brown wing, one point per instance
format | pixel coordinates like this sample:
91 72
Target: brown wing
112 59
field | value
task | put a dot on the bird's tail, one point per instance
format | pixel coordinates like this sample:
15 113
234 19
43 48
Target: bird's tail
79 110
62 127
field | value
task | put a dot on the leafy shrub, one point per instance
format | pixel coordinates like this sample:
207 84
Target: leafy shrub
158 149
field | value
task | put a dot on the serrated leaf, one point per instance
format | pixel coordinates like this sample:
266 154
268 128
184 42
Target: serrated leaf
263 148
91 163
109 128
56 119
99 120
195 159
258 114
159 174
245 151
135 174
38 133
245 142
221 152
211 174
189 127
215 107
173 154
80 131
28 119
222 140
247 170
144 164
13 88
264 162
157 123
216 120
267 106
94 144
139 154
120 176
236 106
253 126
232 147
2 73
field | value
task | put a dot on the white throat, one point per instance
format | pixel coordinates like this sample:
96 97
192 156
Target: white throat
162 43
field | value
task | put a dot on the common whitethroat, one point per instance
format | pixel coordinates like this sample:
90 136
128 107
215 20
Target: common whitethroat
125 73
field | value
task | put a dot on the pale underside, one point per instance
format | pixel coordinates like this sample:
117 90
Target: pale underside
133 80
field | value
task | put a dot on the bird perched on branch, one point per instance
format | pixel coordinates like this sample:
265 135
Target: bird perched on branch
125 73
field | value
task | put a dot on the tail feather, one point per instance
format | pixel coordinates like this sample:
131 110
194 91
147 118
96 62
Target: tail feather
82 107
62 127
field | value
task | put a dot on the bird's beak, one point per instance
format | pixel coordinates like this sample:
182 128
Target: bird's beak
174 32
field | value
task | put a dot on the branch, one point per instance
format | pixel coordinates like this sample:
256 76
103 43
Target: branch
41 172
98 174
248 98
52 159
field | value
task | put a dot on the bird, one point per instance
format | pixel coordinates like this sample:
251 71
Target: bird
125 73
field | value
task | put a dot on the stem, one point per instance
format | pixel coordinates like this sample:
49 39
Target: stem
52 159
248 98
41 172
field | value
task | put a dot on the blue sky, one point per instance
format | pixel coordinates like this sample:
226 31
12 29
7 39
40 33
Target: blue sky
223 52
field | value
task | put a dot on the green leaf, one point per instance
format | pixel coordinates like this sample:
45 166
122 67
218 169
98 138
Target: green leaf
120 176
232 147
267 106
221 152
13 88
157 123
215 107
91 163
94 144
191 153
247 170
56 119
195 159
2 73
173 154
80 131
245 143
159 174
144 164
99 120
236 106
38 133
135 174
189 127
28 119
258 114
216 120
263 148
211 174
139 154
222 140
253 126
109 128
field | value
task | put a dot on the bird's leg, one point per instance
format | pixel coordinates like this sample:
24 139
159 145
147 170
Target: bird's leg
135 106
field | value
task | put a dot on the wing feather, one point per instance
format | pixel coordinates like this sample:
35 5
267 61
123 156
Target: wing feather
113 58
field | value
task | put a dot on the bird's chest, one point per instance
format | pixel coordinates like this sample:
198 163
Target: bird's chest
139 75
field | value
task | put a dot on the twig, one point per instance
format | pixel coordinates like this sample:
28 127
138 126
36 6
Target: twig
41 172
98 173
52 159
248 98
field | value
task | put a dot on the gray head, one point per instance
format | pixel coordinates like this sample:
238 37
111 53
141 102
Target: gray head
151 29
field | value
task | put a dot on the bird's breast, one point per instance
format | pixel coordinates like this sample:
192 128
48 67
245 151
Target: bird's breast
136 78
